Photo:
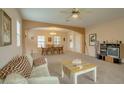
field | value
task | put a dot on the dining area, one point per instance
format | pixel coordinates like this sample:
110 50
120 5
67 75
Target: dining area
52 49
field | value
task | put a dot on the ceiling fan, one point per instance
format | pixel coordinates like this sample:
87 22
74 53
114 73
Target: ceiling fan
75 13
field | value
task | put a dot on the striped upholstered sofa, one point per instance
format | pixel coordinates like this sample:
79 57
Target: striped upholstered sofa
24 70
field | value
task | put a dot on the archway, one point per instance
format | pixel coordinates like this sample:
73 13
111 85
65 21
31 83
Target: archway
31 25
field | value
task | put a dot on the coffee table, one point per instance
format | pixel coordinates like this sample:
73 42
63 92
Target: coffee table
73 72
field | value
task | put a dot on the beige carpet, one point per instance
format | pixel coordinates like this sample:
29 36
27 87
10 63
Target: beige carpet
107 73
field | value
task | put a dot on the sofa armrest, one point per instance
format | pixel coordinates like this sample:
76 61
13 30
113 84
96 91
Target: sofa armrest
43 80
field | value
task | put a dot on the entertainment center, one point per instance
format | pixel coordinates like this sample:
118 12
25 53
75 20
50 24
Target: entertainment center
111 52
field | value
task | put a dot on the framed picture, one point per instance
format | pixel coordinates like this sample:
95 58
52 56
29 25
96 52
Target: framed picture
5 30
49 39
92 39
64 39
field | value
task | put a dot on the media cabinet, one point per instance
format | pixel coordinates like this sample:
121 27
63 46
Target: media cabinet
111 52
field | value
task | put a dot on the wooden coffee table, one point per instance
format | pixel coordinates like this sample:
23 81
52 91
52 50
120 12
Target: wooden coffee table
73 72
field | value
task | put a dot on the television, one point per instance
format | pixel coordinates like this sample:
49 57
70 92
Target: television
113 52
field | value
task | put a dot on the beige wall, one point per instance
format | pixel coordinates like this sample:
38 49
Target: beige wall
31 45
7 52
112 30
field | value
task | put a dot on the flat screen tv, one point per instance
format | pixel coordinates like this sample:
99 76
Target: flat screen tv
113 52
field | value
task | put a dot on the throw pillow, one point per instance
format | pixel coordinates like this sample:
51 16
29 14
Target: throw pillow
39 61
19 64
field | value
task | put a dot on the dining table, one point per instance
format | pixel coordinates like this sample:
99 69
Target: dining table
52 50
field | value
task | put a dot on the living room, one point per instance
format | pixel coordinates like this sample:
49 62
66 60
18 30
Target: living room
77 37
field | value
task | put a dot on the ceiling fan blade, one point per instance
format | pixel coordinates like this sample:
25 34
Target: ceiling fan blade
80 18
75 9
68 18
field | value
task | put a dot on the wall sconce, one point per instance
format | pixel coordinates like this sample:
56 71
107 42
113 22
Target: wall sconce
32 38
25 34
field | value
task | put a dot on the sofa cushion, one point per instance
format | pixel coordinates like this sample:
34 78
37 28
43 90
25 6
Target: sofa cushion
43 80
15 78
18 64
39 61
41 70
1 81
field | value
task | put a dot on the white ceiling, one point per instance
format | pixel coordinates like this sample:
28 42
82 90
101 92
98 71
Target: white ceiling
89 16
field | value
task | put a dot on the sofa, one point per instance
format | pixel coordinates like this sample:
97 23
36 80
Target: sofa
39 74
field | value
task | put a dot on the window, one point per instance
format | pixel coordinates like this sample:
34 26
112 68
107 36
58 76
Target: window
41 41
18 34
57 40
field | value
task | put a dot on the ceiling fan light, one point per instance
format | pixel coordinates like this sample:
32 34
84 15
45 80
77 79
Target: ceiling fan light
75 16
52 33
